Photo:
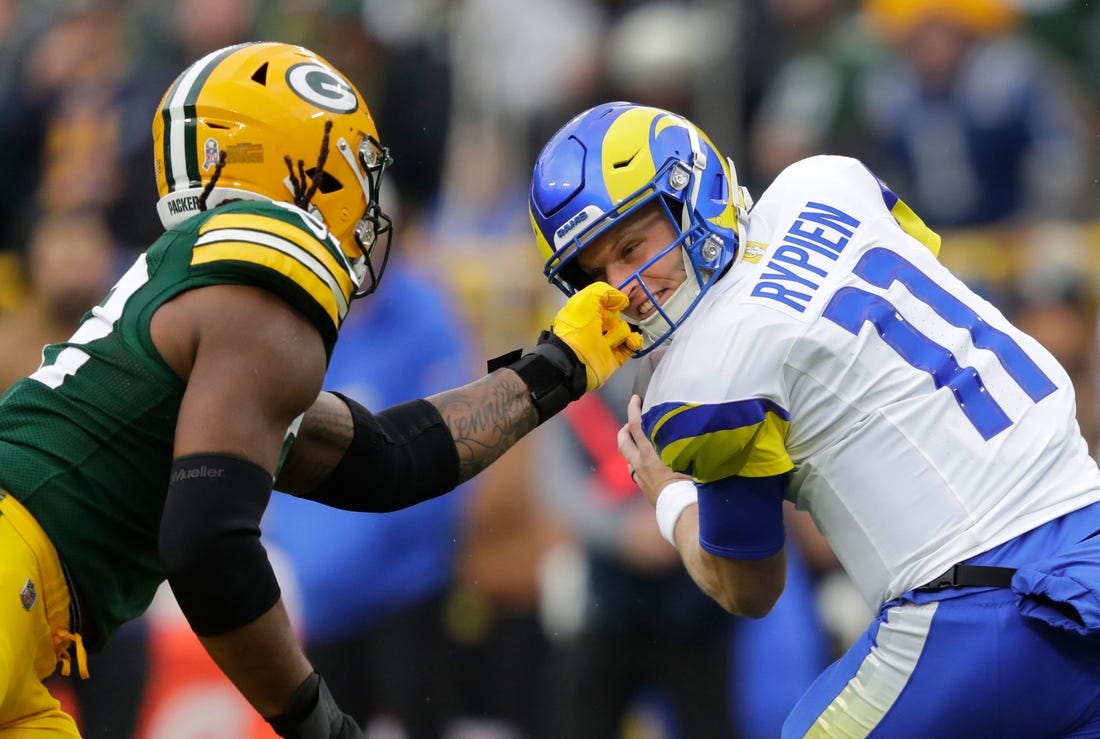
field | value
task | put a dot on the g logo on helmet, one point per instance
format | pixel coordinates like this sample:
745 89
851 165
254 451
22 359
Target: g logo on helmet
320 86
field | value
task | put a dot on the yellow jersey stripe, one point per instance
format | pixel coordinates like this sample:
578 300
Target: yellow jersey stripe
752 451
276 260
712 441
307 241
290 249
912 224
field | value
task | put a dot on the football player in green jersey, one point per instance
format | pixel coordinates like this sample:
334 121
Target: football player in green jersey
146 446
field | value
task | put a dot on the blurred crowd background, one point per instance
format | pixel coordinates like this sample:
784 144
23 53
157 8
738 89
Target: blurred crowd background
539 600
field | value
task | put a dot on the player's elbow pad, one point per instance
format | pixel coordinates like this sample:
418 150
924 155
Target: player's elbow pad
209 542
399 457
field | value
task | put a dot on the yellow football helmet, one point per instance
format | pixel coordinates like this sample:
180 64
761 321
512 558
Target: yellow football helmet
271 121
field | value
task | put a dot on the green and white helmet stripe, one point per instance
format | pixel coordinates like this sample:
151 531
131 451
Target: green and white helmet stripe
181 165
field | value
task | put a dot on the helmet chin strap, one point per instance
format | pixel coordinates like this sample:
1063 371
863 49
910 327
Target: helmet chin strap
698 164
655 326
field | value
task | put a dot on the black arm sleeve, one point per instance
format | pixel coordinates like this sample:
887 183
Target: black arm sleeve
400 456
209 542
552 372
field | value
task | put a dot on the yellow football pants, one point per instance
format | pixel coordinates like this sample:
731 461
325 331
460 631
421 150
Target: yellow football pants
34 628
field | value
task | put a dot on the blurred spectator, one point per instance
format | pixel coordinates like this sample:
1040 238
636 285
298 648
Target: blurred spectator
642 624
642 629
977 127
168 32
380 640
681 55
69 264
69 114
484 197
517 60
1069 29
644 60
412 89
1057 305
76 70
494 612
812 103
21 120
78 97
518 66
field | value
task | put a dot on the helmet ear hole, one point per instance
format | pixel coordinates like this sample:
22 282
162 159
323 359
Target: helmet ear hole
260 75
327 184
720 189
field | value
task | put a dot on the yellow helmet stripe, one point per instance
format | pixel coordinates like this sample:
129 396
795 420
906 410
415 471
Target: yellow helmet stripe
181 159
255 226
620 151
278 261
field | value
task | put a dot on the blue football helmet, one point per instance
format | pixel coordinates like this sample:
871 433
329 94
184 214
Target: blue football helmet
607 163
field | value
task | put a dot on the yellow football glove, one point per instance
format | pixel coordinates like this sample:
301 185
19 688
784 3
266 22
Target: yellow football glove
587 341
592 325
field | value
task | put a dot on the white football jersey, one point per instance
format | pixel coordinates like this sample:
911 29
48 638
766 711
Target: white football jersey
919 426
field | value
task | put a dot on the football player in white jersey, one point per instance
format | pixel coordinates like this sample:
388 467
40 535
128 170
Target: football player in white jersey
813 348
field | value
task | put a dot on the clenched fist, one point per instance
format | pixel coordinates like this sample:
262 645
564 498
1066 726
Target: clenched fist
592 325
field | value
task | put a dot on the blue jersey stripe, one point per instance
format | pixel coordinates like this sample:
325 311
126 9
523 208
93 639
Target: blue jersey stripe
684 421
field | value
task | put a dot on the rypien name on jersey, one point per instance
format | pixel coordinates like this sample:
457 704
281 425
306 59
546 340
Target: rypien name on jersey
806 247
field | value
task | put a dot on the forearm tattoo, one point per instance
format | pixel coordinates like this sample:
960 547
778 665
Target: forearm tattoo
486 418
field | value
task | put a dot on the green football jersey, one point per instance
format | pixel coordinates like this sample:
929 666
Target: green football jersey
86 441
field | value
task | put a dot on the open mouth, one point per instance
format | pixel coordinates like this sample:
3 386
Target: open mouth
647 307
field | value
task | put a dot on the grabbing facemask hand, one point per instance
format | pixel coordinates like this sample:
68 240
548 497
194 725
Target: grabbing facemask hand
592 325
587 342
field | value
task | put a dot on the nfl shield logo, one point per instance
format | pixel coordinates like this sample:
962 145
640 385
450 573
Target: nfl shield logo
211 152
28 596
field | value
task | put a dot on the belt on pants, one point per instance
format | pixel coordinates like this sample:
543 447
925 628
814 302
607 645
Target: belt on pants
961 576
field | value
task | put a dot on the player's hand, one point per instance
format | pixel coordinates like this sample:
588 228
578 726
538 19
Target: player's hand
313 714
592 325
588 340
646 468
